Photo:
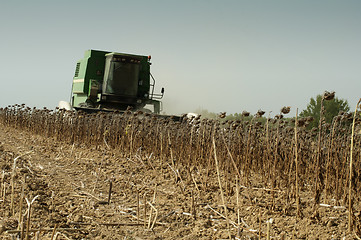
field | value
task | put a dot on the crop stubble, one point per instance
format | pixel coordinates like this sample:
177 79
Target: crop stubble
107 175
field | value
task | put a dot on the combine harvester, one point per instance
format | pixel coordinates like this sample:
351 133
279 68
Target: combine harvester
114 82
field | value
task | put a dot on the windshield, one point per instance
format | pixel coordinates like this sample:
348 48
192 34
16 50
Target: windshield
121 78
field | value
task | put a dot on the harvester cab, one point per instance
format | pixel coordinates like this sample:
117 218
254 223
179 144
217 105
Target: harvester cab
112 81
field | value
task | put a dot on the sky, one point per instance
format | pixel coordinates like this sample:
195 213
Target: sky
215 55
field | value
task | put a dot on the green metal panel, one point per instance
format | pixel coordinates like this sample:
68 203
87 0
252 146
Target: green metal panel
79 98
90 67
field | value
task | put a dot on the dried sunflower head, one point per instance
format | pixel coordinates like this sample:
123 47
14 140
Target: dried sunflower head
260 113
301 122
222 114
279 116
245 113
328 95
309 119
285 110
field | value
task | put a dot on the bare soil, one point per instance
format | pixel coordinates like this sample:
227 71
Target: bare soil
70 185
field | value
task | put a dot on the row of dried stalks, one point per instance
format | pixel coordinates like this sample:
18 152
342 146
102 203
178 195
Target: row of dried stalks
281 153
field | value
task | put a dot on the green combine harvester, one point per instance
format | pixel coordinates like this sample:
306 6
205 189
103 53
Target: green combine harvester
110 81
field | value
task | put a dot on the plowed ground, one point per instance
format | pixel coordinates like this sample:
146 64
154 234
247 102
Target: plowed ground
71 185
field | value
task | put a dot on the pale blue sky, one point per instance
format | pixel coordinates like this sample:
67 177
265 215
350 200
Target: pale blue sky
216 55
